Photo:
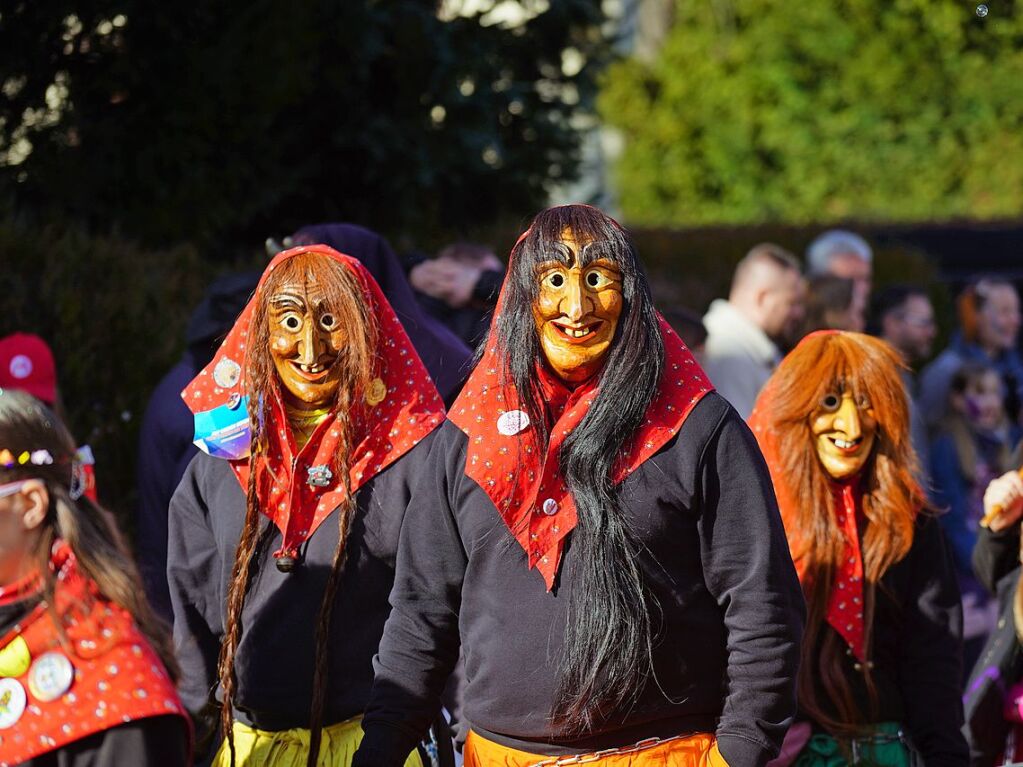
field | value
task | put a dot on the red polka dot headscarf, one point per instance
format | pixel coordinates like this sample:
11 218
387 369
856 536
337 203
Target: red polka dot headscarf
296 487
523 477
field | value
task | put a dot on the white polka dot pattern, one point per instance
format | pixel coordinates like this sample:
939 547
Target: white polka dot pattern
117 676
523 479
407 410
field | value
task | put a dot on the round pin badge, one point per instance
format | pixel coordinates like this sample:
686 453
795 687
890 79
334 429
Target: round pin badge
226 373
512 422
50 676
376 393
15 658
12 702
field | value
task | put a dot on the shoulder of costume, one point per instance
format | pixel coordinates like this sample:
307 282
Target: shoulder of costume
57 690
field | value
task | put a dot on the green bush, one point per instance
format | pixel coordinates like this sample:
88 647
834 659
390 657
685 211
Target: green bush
880 110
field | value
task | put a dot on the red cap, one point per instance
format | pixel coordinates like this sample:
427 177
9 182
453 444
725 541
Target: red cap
26 364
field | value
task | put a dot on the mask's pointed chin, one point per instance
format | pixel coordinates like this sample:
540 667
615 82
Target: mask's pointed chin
571 363
302 391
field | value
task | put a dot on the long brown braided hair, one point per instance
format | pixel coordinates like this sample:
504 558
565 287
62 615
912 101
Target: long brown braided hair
345 299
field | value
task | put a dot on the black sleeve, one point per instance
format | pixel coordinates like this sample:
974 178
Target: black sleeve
194 573
748 569
931 641
995 555
159 741
420 643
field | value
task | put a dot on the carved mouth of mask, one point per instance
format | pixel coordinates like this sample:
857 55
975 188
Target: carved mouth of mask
847 447
577 334
312 373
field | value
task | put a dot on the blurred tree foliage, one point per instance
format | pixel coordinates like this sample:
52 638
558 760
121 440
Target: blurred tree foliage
765 110
214 122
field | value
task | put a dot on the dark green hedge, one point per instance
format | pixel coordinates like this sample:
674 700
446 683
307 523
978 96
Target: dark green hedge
114 314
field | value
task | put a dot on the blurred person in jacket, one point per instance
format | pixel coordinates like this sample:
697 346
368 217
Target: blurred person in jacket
763 308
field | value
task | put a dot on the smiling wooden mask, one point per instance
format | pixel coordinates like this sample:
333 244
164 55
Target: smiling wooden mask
578 305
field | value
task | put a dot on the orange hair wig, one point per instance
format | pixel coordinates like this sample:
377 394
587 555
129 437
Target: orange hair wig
868 368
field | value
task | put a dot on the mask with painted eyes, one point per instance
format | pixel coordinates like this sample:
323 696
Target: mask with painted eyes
305 341
844 429
577 311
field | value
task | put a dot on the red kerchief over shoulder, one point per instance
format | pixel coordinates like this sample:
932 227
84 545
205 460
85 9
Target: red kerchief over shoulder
845 604
521 476
94 673
296 486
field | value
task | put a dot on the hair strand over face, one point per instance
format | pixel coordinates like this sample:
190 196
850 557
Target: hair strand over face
607 650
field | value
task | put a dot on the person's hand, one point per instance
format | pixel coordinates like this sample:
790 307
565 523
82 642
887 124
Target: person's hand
445 279
1003 502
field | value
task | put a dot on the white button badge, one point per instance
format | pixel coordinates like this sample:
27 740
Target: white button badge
12 702
512 422
50 676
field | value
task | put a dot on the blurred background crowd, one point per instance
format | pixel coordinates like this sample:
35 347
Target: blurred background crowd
851 164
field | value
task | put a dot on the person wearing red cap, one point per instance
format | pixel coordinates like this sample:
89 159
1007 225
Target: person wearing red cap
314 418
26 364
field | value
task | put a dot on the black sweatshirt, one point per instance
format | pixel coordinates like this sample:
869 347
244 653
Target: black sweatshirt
916 648
275 659
726 636
159 741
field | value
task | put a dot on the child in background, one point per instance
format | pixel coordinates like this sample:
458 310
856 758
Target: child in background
86 670
973 447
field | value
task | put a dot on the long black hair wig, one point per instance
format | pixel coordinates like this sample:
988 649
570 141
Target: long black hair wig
607 648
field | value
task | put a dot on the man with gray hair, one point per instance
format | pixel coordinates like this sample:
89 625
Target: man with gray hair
764 304
843 254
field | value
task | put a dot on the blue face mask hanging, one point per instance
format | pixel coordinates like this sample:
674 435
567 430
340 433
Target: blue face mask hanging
223 432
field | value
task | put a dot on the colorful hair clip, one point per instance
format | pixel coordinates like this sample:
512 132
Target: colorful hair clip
40 457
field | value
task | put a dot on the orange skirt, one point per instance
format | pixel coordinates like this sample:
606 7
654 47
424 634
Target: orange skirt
691 751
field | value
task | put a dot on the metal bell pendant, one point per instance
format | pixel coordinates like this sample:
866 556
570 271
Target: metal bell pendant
287 562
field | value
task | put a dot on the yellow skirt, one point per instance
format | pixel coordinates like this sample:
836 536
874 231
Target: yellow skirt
693 751
290 748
